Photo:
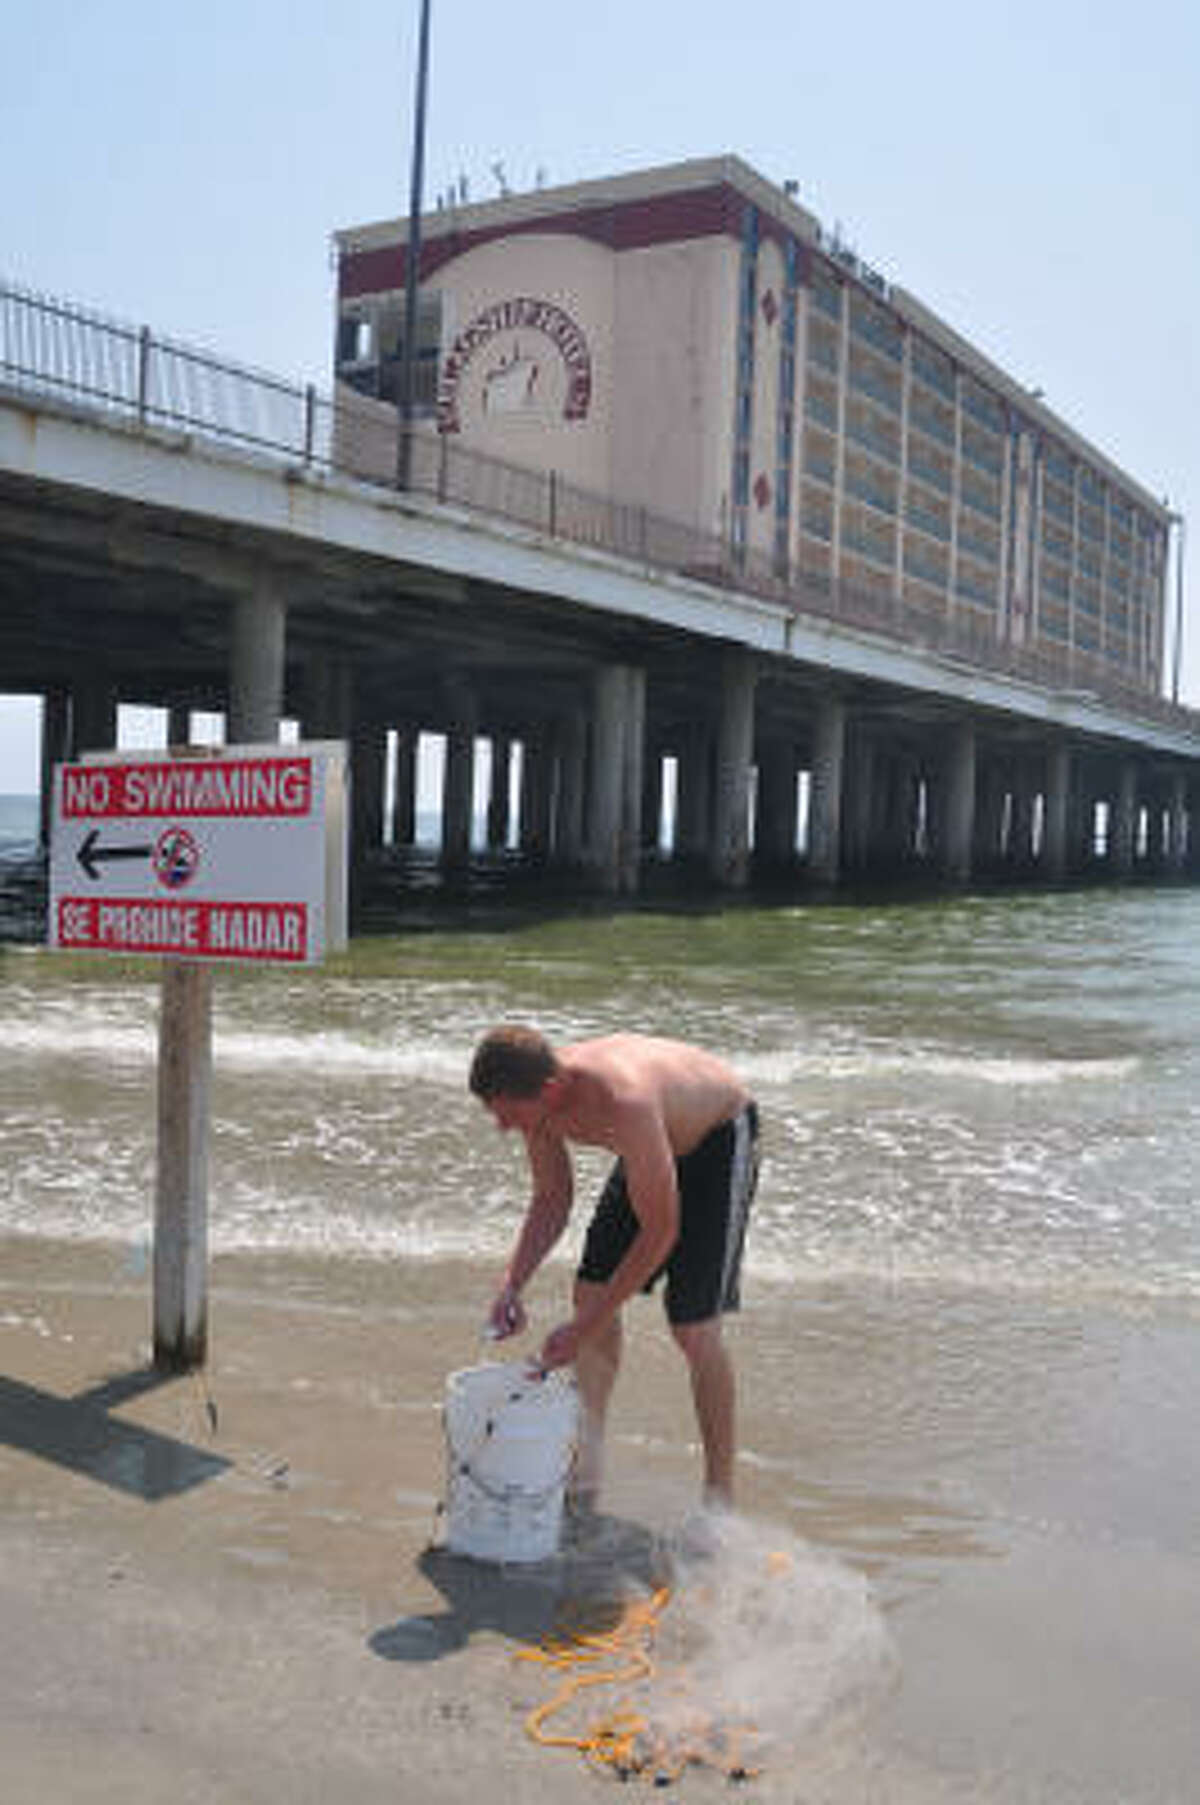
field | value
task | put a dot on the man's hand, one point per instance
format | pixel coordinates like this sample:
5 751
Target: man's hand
506 1316
560 1347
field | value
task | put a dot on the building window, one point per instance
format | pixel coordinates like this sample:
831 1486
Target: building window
932 367
741 478
826 292
370 348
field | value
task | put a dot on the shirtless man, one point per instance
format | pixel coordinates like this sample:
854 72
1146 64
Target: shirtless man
685 1132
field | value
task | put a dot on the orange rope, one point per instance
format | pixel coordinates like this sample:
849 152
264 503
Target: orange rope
624 1741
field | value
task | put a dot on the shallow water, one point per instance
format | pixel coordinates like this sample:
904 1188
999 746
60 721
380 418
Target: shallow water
1000 1093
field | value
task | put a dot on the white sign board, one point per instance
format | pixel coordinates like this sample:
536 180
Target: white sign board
235 853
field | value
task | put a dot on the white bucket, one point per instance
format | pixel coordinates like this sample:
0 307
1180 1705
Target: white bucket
510 1439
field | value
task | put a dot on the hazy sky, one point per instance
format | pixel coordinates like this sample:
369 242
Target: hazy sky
1028 169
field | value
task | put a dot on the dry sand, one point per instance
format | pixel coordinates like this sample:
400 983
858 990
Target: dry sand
222 1588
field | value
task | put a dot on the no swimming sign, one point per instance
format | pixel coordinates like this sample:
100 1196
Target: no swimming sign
236 854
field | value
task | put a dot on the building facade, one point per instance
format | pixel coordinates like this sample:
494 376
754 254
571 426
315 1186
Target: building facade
689 341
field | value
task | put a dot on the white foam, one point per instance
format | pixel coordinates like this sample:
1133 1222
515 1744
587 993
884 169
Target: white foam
786 1069
330 1051
767 1632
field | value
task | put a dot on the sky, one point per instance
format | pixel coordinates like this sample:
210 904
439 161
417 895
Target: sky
1028 169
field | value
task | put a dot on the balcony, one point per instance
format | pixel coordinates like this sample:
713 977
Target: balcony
935 423
869 376
872 438
983 497
820 407
922 560
931 368
864 485
927 518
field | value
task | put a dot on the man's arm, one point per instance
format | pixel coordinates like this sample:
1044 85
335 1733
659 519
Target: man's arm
552 1182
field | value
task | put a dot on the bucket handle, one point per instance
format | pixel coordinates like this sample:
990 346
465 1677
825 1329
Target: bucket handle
504 1494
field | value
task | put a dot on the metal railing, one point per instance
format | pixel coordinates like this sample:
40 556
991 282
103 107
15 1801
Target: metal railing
55 350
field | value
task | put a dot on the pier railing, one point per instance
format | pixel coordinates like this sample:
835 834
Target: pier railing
56 351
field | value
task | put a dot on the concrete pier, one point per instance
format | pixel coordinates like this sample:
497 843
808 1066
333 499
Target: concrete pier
202 580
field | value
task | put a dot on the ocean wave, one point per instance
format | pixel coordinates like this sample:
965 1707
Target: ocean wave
994 1273
856 1064
62 1038
444 1060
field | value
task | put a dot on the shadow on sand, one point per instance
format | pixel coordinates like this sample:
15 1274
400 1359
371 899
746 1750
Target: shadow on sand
598 1569
79 1434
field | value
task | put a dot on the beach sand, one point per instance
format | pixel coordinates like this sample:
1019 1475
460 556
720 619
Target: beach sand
221 1587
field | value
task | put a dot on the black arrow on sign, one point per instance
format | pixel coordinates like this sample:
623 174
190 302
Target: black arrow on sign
91 856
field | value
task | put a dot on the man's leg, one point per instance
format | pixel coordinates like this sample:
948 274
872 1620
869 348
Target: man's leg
596 1367
714 1397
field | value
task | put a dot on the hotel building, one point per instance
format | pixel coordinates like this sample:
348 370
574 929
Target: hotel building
691 341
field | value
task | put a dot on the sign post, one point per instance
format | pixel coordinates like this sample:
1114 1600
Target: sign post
181 1180
229 854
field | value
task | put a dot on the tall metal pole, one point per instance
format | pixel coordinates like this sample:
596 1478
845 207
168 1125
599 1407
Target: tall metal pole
412 266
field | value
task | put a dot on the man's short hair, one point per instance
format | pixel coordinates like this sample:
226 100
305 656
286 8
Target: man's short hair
511 1061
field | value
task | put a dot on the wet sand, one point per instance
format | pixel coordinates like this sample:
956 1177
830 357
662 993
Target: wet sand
222 1587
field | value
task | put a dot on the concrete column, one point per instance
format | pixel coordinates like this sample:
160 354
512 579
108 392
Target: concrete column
328 708
458 778
1123 827
1081 817
607 775
568 837
1177 810
859 850
960 804
498 795
1161 828
729 854
537 797
1058 800
899 798
256 669
93 715
179 723
775 842
825 804
1191 863
368 751
404 791
55 750
989 814
1024 792
652 800
693 799
633 762
887 793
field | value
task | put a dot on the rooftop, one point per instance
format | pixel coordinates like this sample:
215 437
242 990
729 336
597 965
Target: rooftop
605 201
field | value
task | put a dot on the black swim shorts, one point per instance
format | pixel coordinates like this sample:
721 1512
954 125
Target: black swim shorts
716 1188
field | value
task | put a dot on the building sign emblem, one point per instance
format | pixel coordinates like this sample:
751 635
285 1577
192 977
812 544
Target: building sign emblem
501 354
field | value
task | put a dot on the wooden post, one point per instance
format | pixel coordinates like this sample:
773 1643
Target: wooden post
181 1193
185 1029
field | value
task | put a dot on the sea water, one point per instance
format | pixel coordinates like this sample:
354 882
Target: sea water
999 1092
